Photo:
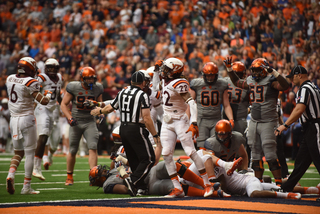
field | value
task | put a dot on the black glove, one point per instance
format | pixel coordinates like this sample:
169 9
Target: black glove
72 122
269 70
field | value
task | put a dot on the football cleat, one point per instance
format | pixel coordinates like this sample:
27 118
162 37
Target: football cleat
38 174
142 192
69 182
296 196
175 193
28 191
208 190
216 185
46 165
131 188
231 166
10 185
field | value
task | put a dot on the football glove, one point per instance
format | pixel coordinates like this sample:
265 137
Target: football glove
113 156
269 70
231 122
90 103
228 62
194 129
158 64
72 122
47 94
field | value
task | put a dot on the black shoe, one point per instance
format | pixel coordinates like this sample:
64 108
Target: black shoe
131 188
142 192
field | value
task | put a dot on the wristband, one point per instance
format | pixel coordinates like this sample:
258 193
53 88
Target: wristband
156 135
275 73
229 69
100 111
285 125
98 104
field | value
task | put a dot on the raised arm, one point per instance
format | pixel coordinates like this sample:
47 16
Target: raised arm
281 84
241 83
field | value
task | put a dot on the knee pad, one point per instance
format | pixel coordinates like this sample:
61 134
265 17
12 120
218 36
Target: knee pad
167 151
269 150
189 150
274 164
257 165
181 168
73 151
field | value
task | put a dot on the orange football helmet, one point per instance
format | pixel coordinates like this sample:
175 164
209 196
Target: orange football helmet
210 73
257 71
239 68
98 175
88 73
223 130
28 66
171 68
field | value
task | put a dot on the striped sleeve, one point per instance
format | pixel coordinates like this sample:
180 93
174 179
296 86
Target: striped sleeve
145 101
30 82
42 78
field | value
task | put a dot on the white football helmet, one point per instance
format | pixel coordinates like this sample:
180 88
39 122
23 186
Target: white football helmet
116 135
172 68
51 67
28 66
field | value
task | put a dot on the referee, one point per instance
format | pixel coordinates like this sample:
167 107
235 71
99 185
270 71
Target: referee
134 106
308 110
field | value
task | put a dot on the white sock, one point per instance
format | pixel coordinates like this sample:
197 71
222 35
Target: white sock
45 158
221 163
282 194
37 162
176 184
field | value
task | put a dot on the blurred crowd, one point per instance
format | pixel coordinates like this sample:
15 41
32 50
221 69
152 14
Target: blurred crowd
118 37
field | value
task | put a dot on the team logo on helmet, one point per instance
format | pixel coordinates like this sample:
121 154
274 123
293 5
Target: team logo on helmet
257 71
223 130
116 135
172 68
239 68
210 73
28 66
86 74
98 175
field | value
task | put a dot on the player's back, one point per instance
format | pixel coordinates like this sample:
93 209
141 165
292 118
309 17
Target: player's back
209 97
264 99
20 95
173 103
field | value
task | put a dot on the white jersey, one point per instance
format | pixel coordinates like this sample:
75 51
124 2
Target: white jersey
53 86
20 92
173 104
155 97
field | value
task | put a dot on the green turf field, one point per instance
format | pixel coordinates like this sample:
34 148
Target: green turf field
53 187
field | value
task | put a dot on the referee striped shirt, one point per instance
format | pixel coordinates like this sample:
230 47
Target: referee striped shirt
309 95
130 101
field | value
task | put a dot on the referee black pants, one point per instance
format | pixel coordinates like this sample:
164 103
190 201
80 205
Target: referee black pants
139 152
309 152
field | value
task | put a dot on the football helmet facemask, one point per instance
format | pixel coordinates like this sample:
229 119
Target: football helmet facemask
28 66
172 68
210 73
257 71
98 175
223 131
51 67
88 77
239 68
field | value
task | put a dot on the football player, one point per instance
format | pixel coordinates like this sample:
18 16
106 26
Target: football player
227 144
80 119
4 123
52 81
264 85
243 184
176 99
23 89
239 99
156 110
210 92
